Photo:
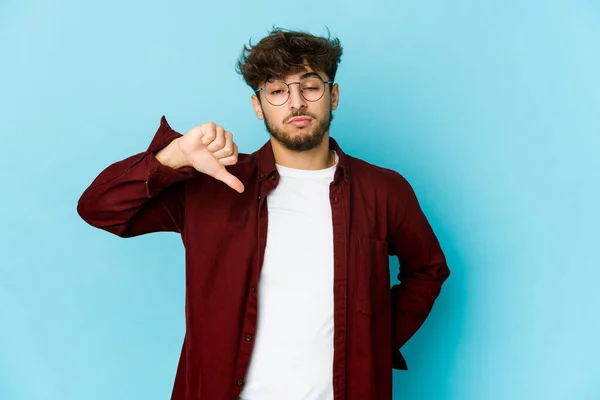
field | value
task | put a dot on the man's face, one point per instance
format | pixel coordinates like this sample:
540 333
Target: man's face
283 121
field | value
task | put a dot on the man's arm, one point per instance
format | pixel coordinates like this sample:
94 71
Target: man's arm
140 194
423 267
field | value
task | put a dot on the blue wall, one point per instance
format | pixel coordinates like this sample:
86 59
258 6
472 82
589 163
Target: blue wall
490 109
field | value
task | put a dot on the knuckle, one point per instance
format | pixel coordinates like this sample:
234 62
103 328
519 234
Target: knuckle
207 126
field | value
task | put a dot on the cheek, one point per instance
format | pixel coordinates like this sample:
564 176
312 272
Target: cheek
278 116
323 110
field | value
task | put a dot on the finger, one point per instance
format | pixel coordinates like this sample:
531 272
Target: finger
228 148
209 132
231 160
219 140
224 176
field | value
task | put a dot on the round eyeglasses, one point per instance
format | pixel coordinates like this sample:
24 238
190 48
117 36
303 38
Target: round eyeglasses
277 92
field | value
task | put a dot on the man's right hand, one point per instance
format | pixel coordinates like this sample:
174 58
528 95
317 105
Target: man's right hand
208 148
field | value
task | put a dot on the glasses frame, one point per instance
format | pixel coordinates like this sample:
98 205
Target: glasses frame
290 90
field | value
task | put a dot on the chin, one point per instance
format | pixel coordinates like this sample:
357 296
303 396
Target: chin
299 138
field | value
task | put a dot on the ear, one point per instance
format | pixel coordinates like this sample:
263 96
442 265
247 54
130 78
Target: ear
335 96
257 107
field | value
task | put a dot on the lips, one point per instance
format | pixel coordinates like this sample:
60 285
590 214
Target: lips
299 121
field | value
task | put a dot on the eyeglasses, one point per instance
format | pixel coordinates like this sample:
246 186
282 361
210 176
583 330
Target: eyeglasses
277 91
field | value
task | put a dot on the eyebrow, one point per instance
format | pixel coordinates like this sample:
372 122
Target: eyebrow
310 74
303 76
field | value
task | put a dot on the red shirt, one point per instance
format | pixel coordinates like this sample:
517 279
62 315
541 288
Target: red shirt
375 213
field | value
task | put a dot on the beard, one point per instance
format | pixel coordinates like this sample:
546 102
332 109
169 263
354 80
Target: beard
309 139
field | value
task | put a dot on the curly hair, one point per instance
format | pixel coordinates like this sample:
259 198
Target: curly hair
284 51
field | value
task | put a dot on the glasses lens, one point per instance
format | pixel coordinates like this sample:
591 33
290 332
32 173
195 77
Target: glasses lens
277 92
312 88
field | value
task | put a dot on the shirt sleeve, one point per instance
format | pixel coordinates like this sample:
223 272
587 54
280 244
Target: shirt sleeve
422 269
138 195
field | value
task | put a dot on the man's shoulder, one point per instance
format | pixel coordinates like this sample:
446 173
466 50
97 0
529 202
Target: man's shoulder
364 170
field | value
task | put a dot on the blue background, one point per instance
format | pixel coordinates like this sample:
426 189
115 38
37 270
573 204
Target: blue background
490 109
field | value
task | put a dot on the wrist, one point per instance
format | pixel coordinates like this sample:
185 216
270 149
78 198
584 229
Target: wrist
171 156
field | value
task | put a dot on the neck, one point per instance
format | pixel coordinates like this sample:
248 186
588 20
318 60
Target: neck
318 158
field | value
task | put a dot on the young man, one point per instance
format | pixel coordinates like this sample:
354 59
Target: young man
287 279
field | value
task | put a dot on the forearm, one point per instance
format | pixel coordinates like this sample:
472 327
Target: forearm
138 194
413 300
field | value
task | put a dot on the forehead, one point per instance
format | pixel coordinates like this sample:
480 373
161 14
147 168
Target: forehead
296 73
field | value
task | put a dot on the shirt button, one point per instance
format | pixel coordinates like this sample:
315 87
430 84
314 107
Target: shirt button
239 383
248 338
273 177
253 289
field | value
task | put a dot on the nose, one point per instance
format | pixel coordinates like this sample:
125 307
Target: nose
296 101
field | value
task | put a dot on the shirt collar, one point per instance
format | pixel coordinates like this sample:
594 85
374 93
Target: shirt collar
266 161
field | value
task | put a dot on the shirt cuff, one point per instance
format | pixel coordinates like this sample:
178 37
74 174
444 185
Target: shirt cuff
161 176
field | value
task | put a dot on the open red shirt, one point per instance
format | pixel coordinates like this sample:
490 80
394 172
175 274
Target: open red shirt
375 213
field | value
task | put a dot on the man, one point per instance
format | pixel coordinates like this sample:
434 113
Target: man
287 279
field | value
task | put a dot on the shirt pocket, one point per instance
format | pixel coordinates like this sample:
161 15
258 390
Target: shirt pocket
372 270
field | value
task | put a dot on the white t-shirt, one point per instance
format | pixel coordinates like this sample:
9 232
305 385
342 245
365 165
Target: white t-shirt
292 358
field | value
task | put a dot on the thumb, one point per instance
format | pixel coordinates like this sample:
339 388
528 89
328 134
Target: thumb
224 176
